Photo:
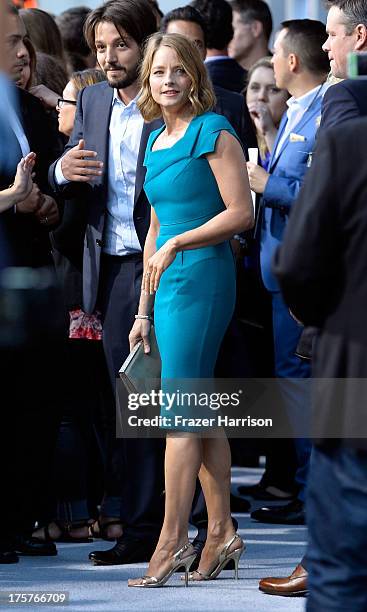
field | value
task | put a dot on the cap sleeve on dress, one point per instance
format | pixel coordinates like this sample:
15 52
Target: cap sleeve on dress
208 132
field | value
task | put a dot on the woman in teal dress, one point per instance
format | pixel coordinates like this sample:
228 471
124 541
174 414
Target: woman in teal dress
197 185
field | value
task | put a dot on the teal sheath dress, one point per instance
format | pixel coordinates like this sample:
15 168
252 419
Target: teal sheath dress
196 295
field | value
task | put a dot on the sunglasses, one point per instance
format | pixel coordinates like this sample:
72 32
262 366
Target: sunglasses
61 102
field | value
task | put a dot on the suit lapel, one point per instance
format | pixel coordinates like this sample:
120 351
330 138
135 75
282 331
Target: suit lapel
102 124
281 129
306 117
148 128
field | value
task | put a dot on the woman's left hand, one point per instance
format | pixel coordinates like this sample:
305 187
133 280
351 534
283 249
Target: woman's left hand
157 264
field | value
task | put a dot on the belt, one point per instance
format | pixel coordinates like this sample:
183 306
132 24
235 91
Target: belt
123 258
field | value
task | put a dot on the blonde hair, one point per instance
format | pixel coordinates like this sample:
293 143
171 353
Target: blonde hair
201 97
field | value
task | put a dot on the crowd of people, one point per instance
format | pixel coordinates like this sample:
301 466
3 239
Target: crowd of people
125 178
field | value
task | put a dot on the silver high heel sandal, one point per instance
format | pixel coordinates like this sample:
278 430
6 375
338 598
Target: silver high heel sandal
222 560
178 560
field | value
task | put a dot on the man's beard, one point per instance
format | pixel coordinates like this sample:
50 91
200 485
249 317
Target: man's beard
128 78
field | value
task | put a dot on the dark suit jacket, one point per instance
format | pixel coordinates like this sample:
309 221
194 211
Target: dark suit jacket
92 120
233 106
322 270
28 239
343 101
227 73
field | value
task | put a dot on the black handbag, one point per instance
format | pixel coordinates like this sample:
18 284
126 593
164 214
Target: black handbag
141 372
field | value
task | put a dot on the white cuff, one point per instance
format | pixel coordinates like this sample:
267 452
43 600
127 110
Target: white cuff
59 177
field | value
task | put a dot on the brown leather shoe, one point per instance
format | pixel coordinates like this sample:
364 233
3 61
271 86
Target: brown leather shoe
294 585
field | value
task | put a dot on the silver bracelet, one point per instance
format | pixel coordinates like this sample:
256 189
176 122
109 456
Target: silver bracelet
147 317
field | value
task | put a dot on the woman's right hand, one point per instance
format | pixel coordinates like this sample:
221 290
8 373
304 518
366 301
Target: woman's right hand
140 331
23 183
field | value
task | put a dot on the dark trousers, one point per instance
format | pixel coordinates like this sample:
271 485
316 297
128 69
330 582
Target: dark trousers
288 366
337 521
135 483
81 440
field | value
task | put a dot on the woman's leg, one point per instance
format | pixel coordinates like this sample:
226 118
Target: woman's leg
182 463
215 479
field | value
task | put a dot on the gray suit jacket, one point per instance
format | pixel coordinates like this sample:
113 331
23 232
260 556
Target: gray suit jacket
92 121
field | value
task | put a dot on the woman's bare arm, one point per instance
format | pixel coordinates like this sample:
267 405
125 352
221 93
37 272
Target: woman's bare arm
141 327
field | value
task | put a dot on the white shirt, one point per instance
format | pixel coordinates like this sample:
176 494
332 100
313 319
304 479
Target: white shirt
297 108
126 126
214 58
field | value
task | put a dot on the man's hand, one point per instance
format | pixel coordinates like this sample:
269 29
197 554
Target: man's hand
32 202
258 177
75 166
48 214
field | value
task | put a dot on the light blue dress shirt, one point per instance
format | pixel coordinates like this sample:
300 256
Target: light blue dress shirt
126 126
297 108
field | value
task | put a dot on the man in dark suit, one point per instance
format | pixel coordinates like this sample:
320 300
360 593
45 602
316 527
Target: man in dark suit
189 22
30 425
321 270
347 32
102 164
223 70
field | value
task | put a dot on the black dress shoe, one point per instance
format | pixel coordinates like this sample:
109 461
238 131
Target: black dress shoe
239 505
9 556
290 514
257 491
126 550
34 547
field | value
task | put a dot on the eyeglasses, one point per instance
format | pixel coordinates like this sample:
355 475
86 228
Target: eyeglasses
61 102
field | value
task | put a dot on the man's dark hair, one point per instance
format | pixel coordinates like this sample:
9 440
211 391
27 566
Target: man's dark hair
255 10
155 6
355 12
305 38
71 24
218 18
185 13
136 17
